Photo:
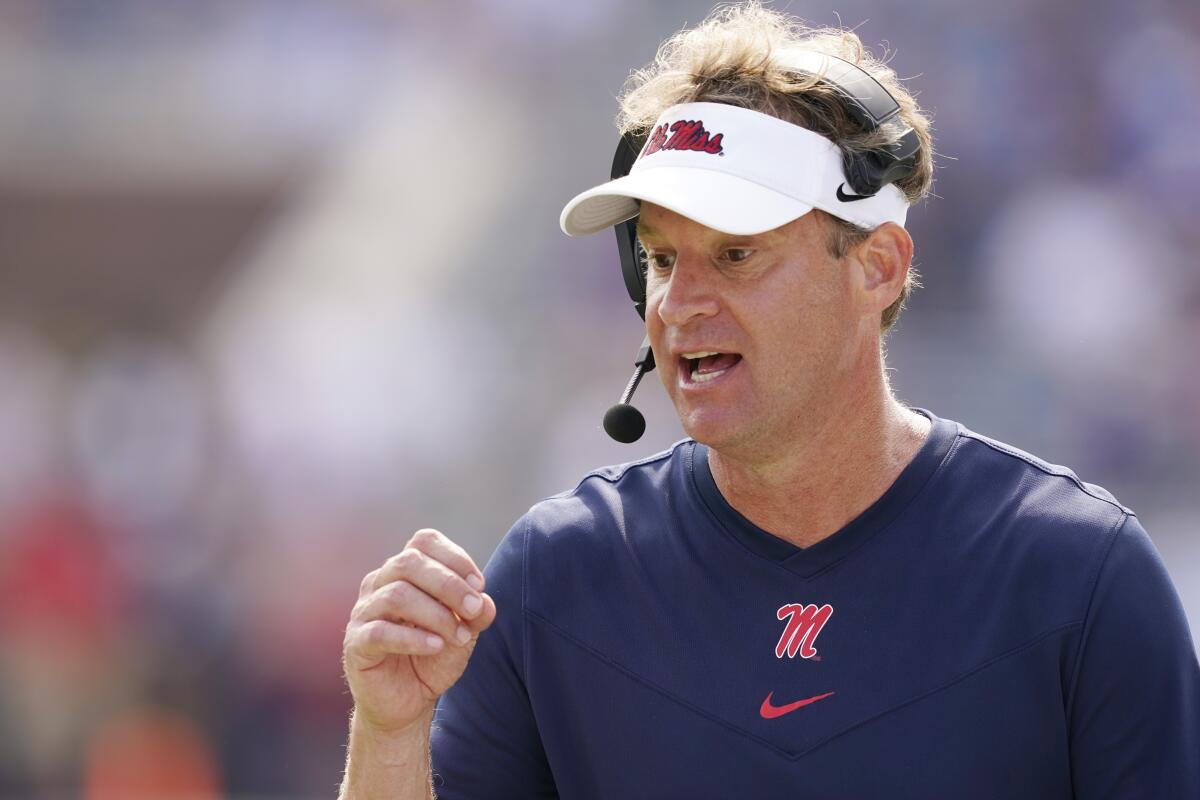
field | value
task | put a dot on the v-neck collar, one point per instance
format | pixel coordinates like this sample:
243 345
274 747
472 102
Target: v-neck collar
807 561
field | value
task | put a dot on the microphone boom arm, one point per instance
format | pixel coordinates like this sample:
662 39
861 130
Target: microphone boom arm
623 422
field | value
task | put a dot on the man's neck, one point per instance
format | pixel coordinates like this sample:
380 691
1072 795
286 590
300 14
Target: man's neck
833 472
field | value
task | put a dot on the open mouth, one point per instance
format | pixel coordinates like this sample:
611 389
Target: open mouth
707 366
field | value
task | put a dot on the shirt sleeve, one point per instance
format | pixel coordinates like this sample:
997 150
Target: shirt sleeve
485 741
1135 709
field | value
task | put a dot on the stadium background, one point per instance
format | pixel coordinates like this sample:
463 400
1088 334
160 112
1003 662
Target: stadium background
283 281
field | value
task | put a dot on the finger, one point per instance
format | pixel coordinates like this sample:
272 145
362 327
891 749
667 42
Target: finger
400 601
440 548
434 578
381 637
486 616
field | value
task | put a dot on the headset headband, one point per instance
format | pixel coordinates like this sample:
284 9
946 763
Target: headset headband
865 173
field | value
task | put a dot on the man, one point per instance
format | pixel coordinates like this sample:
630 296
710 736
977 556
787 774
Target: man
821 593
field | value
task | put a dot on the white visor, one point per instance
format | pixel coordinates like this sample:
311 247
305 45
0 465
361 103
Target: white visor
733 170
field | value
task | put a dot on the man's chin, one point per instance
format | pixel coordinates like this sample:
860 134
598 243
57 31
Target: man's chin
713 427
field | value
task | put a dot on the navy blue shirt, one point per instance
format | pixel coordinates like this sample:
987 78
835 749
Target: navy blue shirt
990 627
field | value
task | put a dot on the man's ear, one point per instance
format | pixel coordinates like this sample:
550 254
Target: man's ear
883 259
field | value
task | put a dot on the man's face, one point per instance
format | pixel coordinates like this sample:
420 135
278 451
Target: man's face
778 309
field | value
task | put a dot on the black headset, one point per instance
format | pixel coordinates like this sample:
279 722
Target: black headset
867 101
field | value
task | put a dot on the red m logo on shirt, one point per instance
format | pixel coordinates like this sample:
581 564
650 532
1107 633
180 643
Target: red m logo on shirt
804 624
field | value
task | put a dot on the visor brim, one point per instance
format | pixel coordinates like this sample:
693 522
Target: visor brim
717 200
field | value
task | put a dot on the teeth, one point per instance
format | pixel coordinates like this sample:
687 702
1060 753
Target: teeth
699 355
707 376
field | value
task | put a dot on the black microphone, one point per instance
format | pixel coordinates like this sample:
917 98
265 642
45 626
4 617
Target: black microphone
623 422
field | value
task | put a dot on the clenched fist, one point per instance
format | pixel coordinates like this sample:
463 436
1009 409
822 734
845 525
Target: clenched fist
413 630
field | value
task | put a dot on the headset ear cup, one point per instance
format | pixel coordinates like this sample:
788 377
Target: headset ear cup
859 173
632 264
632 261
899 160
869 172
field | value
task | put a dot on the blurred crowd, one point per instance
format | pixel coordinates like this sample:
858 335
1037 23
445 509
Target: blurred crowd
282 282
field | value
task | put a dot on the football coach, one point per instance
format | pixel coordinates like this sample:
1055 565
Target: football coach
821 593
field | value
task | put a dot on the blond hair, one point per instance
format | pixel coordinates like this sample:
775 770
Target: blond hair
737 56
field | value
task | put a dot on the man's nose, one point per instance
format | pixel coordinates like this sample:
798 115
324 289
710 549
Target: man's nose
687 293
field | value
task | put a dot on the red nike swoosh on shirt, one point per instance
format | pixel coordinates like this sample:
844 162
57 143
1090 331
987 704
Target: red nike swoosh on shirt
769 711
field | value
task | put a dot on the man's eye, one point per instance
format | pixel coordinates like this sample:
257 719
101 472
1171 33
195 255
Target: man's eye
736 254
660 261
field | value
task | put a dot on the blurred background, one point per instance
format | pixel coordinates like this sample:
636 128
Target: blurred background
282 281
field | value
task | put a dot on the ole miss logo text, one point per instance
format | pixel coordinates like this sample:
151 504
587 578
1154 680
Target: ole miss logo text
685 135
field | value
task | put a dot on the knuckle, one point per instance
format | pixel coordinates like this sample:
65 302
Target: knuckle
368 582
406 559
398 593
424 538
375 632
449 583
